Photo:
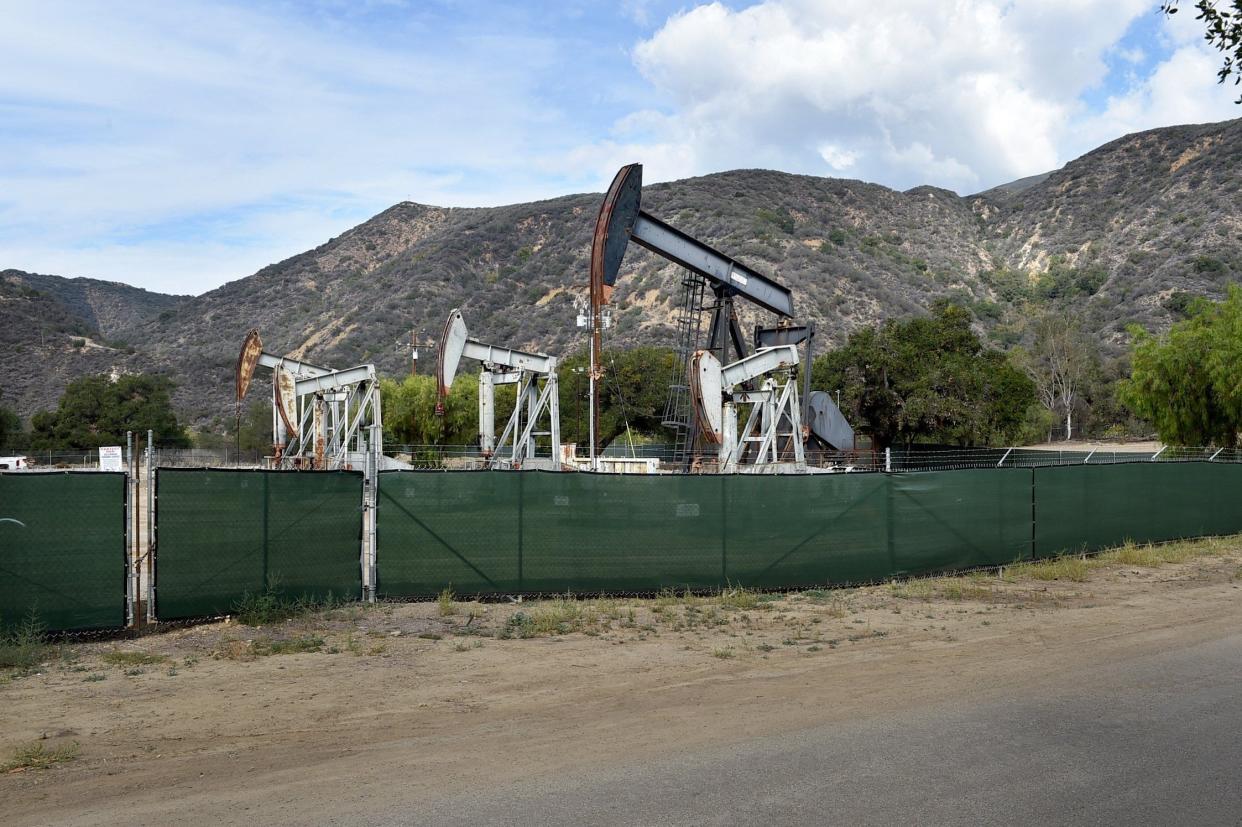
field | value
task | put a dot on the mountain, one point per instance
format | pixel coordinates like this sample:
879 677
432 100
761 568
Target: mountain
1122 232
53 329
1006 193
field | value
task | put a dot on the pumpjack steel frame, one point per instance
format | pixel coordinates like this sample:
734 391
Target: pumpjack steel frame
773 426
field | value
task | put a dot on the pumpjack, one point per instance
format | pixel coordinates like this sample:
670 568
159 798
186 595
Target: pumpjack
321 418
622 220
516 447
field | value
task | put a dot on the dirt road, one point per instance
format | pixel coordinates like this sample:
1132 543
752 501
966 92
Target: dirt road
380 725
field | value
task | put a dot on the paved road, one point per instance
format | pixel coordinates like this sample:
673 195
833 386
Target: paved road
1154 740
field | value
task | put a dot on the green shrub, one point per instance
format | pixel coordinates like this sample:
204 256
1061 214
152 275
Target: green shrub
24 646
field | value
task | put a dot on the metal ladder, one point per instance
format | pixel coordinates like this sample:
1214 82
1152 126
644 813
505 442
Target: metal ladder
689 321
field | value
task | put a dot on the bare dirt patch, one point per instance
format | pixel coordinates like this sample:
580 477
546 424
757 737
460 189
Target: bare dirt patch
199 723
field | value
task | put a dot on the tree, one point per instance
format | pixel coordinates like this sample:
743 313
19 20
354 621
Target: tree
1188 383
410 418
1060 363
94 411
927 378
632 389
1223 31
10 428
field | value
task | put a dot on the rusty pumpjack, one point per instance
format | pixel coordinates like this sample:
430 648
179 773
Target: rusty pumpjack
317 412
621 220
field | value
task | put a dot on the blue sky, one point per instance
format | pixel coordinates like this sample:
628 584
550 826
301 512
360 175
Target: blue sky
179 145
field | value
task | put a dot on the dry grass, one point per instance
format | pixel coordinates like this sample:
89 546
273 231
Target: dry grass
37 756
738 597
560 616
445 603
964 587
118 657
1073 569
918 589
230 648
1155 556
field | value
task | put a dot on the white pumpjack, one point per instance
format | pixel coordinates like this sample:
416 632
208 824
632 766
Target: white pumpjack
773 429
505 366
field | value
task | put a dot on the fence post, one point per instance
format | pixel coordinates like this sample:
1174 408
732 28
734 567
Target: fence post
889 546
888 460
266 584
1033 513
131 544
150 526
724 530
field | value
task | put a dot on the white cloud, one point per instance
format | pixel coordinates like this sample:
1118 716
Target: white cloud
1181 90
836 157
962 94
129 130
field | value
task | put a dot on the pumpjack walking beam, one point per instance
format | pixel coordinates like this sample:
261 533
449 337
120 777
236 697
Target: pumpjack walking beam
622 218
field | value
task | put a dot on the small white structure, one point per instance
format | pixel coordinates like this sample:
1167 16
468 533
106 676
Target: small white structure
110 458
14 464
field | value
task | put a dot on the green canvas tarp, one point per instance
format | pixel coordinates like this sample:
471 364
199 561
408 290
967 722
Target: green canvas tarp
223 534
501 532
62 549
1089 507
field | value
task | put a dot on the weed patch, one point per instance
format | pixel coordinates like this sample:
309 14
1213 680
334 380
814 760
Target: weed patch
24 646
445 602
1074 569
291 646
273 607
921 589
37 756
738 597
234 649
118 657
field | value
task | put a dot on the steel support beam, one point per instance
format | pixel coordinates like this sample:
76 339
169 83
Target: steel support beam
337 380
715 266
270 360
757 364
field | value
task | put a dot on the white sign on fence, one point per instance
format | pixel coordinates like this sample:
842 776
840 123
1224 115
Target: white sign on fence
110 458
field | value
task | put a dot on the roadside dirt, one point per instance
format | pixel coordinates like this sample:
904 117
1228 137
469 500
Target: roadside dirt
229 723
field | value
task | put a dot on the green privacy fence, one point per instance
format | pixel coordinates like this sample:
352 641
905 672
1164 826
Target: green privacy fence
222 534
1094 507
490 532
62 549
